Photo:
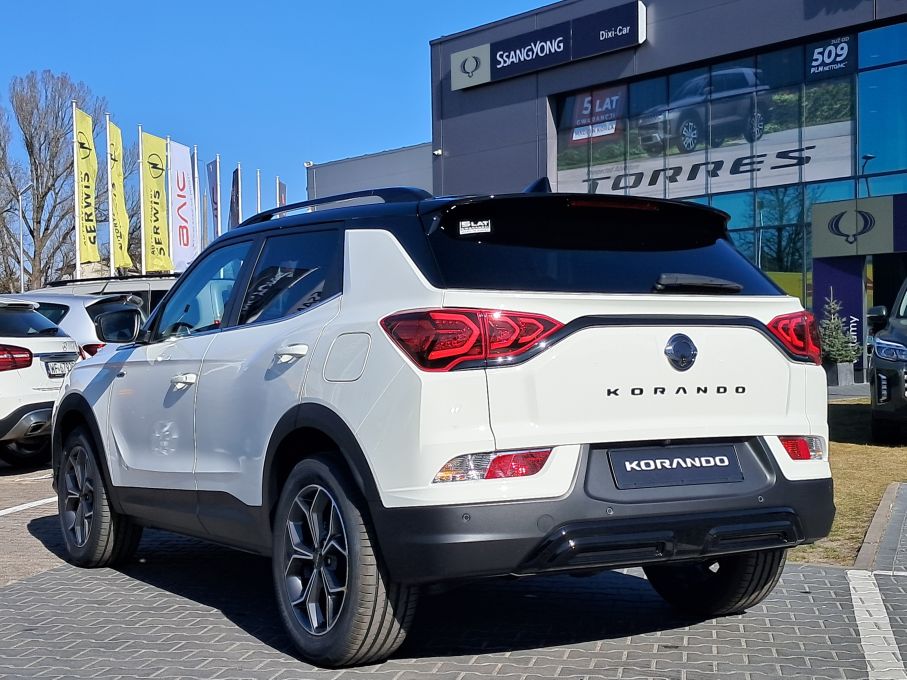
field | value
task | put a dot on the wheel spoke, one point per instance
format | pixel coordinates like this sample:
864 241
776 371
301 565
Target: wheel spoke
312 600
333 546
69 519
331 584
328 600
297 541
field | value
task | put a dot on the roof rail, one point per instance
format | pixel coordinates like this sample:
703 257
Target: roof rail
118 277
388 194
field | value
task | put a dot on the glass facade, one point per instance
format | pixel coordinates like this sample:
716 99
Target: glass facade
763 137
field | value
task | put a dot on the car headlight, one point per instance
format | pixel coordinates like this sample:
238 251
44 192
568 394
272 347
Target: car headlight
890 351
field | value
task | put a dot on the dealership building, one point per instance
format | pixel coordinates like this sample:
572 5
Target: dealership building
789 115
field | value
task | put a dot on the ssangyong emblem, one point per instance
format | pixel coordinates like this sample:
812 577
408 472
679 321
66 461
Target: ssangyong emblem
681 352
867 219
470 65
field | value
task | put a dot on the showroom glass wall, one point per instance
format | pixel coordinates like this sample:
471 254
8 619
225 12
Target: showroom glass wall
763 138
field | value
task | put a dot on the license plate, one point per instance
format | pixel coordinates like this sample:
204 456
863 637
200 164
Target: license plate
644 468
58 369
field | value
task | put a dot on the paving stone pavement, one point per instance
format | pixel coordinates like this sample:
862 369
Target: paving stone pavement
189 609
892 553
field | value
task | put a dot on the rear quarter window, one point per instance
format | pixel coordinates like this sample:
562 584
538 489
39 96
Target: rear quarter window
54 312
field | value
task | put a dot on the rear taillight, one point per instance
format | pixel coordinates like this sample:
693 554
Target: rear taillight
804 448
799 333
91 349
498 465
12 357
442 339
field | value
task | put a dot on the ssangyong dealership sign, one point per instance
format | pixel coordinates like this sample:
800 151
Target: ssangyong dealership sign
613 29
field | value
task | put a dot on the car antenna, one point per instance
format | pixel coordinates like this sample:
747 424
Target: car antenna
539 186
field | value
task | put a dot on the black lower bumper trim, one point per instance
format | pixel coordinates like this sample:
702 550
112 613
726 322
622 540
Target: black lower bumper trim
6 424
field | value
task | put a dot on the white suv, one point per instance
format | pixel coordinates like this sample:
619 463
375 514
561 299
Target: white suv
34 357
428 390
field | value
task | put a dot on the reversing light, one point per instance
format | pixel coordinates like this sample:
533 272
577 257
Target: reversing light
799 333
12 358
498 465
804 448
441 339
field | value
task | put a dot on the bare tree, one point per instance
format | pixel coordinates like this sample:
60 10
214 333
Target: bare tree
42 106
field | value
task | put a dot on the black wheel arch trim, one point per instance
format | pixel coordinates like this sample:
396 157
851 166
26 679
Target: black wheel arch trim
321 418
75 402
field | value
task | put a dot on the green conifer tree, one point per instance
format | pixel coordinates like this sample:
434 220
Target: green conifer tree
837 345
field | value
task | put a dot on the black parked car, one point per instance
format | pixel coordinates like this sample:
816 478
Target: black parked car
887 368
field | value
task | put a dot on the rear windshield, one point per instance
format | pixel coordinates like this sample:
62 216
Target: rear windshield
575 245
24 323
53 311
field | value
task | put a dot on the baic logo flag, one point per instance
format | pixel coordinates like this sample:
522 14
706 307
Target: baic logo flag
86 174
183 235
281 194
119 218
155 232
213 170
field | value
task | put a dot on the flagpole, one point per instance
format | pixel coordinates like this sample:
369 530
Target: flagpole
257 191
277 190
204 242
109 196
220 208
75 193
142 200
168 184
239 190
198 227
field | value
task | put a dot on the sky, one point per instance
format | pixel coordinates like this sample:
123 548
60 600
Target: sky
270 84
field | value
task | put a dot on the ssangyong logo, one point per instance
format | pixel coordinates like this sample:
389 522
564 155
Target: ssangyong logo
675 463
534 50
867 220
470 65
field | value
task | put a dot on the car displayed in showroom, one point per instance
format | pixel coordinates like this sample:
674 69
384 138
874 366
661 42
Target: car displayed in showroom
425 390
707 110
888 369
76 314
35 355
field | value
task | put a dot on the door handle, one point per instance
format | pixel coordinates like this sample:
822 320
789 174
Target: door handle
287 354
183 380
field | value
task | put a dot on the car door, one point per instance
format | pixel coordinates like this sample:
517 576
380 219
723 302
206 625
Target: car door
254 370
152 409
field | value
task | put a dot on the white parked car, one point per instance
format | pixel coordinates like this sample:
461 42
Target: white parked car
35 355
76 314
429 390
150 288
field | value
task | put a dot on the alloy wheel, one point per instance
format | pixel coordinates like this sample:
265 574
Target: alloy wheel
78 491
316 559
689 135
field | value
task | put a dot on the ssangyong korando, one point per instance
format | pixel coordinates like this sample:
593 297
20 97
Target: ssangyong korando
421 390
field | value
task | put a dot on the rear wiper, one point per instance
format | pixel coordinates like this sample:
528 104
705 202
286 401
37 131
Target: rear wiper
694 283
49 331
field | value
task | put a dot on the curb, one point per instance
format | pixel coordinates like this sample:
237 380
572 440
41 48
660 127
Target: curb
867 556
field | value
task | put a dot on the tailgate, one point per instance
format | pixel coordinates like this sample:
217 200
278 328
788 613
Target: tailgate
53 358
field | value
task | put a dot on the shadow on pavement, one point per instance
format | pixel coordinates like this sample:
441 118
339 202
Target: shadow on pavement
849 423
495 615
12 470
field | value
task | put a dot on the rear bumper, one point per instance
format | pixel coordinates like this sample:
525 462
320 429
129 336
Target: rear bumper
576 532
32 420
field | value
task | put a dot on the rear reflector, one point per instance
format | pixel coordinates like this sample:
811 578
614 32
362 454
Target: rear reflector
441 339
803 448
799 333
499 465
12 358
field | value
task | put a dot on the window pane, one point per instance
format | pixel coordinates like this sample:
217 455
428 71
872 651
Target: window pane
647 95
779 206
199 301
608 141
883 108
573 136
294 272
825 192
883 45
776 129
53 311
645 153
739 206
828 128
22 323
882 186
784 67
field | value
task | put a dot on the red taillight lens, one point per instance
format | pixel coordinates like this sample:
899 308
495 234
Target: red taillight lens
517 464
440 339
800 334
809 447
91 350
12 358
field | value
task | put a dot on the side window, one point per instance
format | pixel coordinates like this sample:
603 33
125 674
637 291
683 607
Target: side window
199 300
294 272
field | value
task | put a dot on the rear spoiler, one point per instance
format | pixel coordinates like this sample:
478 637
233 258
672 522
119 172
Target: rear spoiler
123 298
10 303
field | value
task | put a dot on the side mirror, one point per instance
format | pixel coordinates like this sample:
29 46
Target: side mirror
119 326
877 318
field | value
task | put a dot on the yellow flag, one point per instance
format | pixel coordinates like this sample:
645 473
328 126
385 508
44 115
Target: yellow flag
119 218
154 204
86 174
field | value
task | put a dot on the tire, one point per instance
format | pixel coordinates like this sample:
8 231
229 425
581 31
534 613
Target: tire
754 128
93 533
721 585
715 142
26 453
885 431
364 620
689 134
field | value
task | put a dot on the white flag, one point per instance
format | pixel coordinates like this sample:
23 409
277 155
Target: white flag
184 245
